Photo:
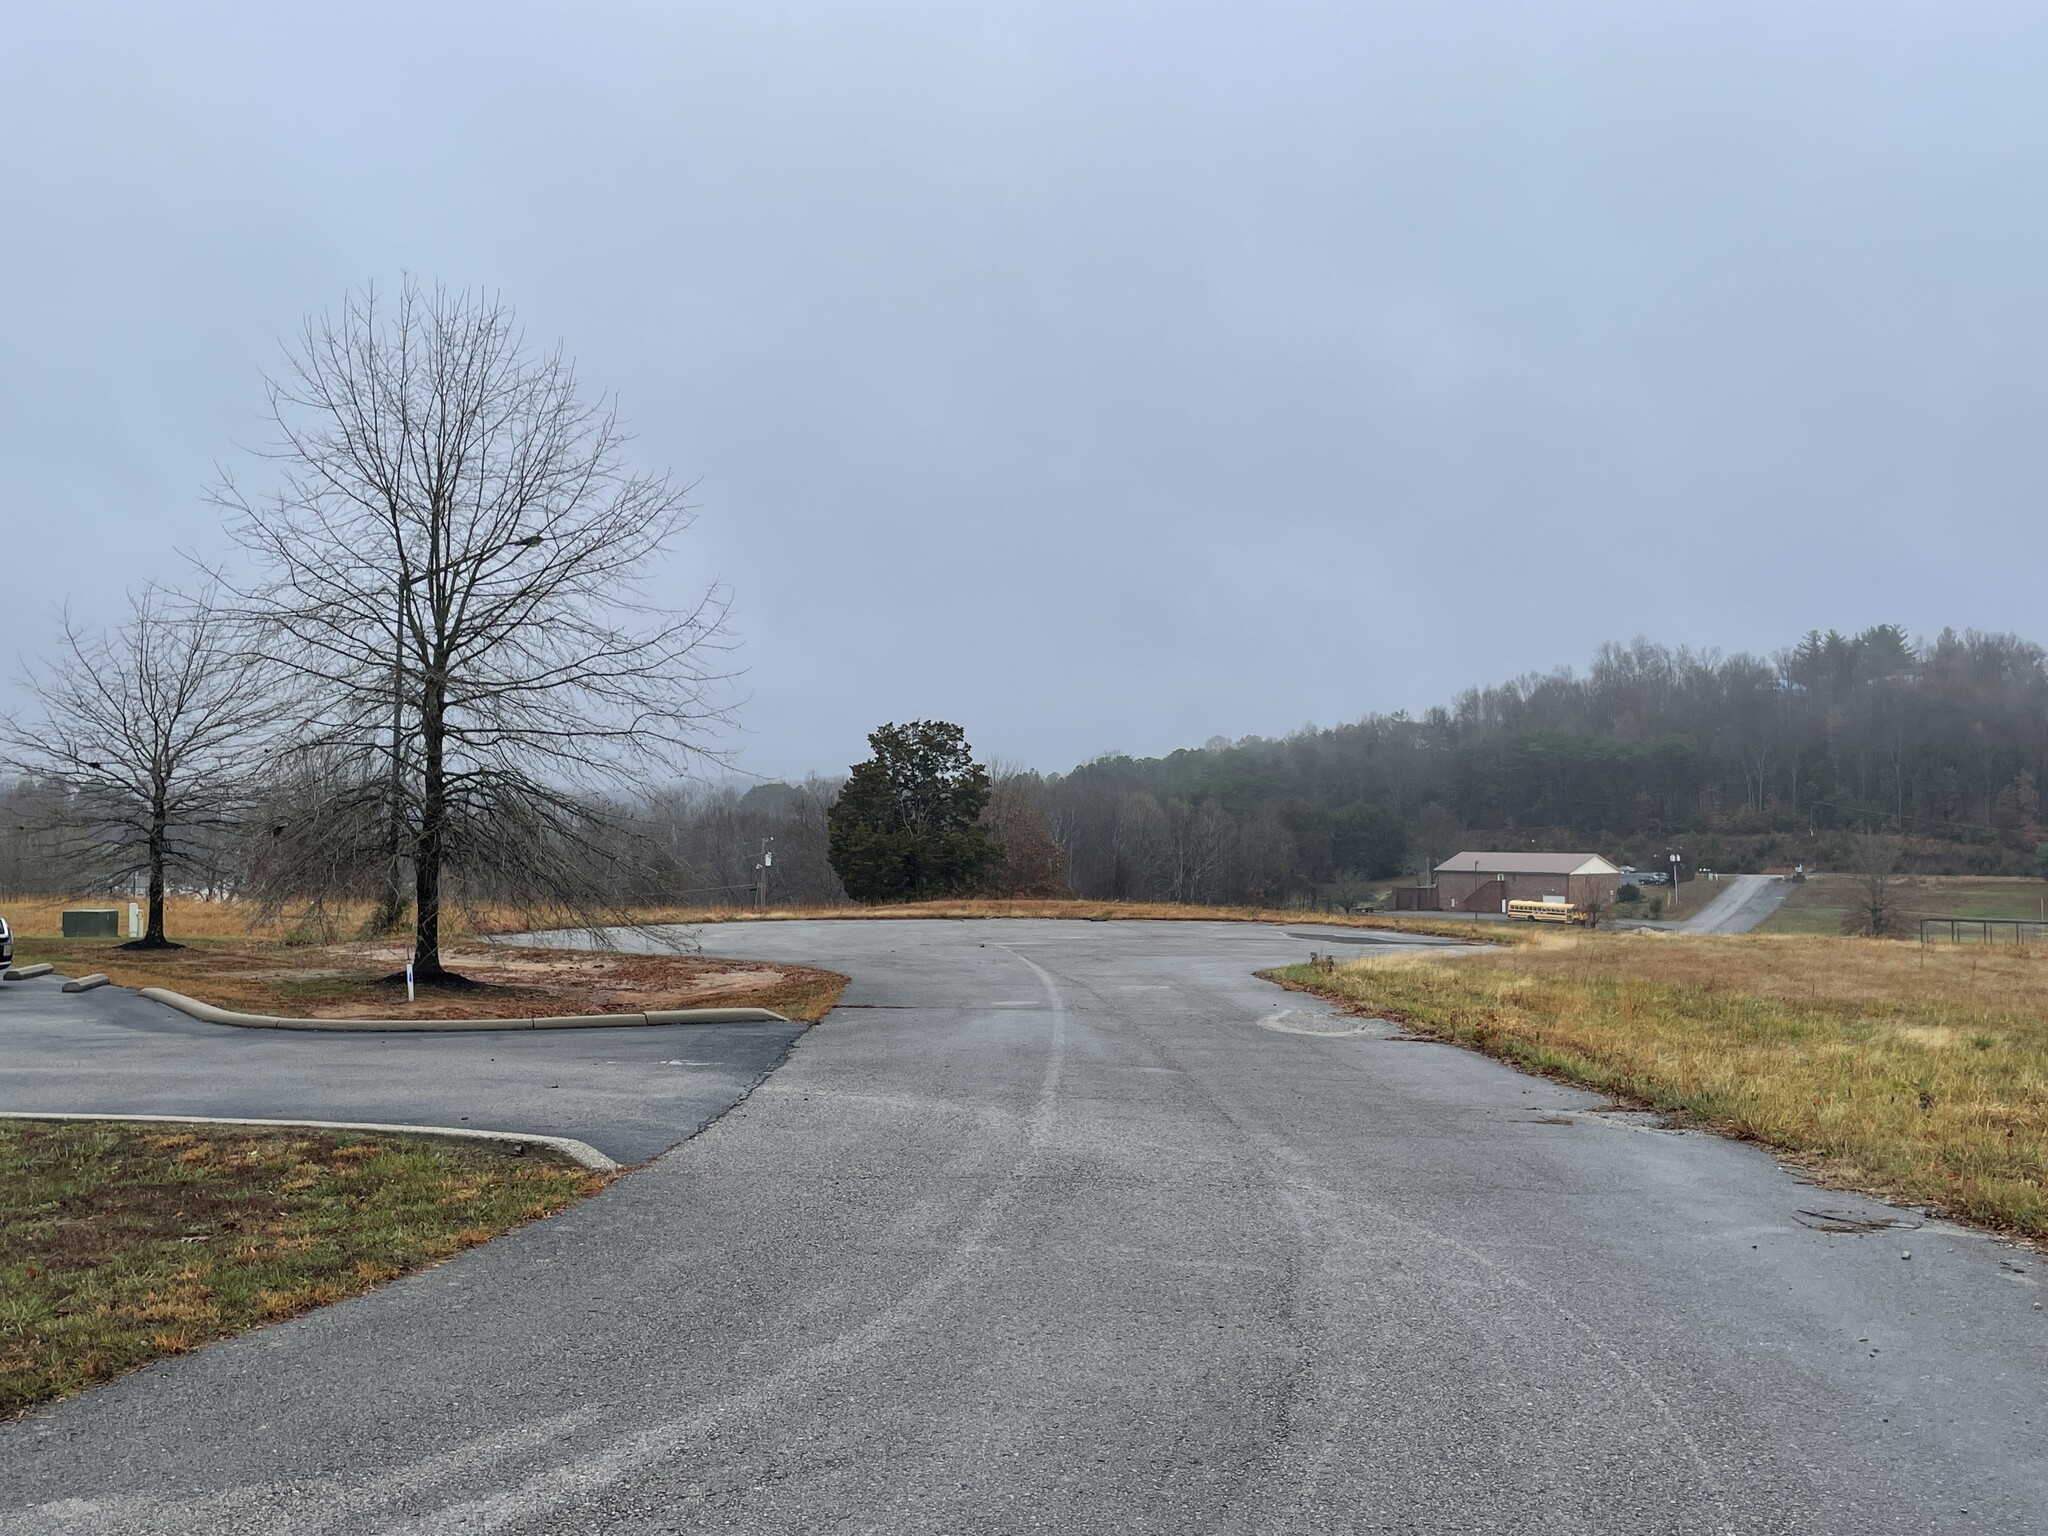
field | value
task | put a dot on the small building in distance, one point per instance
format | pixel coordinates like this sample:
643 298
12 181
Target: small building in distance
1487 882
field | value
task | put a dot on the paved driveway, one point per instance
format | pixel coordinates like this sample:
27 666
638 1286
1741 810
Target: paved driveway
1746 902
1078 1227
628 1092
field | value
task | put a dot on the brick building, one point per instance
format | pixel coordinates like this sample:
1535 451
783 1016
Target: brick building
1487 882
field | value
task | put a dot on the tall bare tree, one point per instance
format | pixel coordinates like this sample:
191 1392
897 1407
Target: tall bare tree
151 733
456 560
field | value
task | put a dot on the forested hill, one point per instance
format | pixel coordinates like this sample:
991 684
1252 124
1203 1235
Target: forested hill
1750 760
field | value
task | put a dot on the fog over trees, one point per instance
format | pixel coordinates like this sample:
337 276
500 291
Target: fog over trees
1742 761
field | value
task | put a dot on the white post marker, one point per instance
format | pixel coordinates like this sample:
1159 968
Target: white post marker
408 981
134 921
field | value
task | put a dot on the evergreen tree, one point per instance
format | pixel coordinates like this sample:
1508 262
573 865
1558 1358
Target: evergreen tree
906 826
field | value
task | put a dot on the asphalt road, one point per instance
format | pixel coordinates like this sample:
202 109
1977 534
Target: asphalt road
1747 901
1080 1227
628 1092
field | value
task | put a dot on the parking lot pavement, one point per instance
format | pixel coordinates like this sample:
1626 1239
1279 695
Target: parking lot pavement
1081 1227
628 1092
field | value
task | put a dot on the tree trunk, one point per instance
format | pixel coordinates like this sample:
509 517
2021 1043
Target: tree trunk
427 852
154 938
391 909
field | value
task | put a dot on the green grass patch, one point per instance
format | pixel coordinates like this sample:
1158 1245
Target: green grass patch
123 1243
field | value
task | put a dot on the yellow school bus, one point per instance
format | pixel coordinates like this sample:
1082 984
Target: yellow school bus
1547 911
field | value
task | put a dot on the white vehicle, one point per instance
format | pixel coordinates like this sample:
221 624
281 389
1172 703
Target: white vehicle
6 945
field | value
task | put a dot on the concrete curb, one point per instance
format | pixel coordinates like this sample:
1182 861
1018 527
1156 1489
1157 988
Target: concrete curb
580 1153
206 1013
86 983
28 972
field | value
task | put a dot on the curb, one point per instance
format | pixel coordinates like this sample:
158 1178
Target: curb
206 1013
580 1153
27 972
86 983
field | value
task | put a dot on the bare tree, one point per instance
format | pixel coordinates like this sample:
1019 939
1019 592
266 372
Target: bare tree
150 733
1879 910
1197 845
1139 843
1033 863
31 839
455 561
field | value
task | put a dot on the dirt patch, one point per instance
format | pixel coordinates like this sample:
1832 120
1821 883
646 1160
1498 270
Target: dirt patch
352 980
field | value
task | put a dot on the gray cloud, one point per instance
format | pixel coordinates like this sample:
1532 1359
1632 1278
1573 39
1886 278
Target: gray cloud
1100 376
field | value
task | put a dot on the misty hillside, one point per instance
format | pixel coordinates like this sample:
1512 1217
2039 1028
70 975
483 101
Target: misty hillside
1746 760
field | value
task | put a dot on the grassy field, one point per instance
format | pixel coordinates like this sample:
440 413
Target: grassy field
1822 903
125 1243
1920 1074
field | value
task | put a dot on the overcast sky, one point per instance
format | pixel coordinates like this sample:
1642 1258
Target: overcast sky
1098 376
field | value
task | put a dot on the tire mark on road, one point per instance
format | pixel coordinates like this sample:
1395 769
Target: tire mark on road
570 1483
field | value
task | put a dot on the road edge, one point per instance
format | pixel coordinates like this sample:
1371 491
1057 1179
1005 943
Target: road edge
206 1013
580 1153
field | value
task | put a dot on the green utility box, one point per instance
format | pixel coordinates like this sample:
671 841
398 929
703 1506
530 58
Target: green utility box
92 923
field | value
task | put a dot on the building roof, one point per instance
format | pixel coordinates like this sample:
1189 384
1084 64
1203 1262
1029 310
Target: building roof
1527 864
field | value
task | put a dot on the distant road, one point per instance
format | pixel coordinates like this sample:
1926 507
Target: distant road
1079 1227
1747 901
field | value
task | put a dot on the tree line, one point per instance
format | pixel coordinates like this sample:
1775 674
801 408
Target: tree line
1740 761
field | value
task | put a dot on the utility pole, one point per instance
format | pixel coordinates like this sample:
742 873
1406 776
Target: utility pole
761 869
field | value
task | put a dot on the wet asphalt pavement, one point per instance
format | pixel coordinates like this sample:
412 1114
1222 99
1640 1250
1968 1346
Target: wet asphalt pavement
628 1092
1081 1227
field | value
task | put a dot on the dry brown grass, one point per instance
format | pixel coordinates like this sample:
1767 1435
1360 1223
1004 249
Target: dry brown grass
120 1244
40 917
1091 911
1917 1074
192 918
352 980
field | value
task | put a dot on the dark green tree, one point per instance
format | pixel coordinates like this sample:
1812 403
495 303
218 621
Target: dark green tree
907 825
1370 840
